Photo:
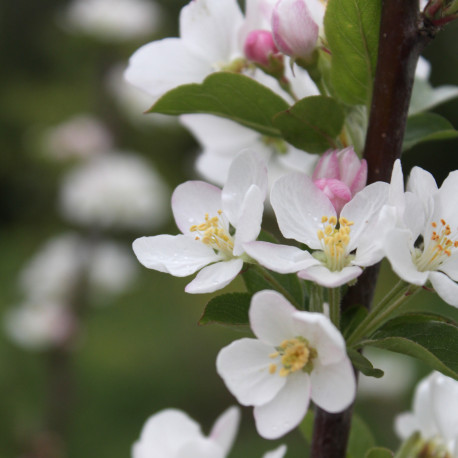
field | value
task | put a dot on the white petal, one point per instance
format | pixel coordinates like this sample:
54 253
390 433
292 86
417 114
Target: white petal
445 287
324 277
280 258
209 28
333 386
444 397
286 410
398 245
159 434
244 367
213 168
246 170
271 317
215 276
422 183
450 266
279 452
174 254
447 200
405 425
162 65
322 335
199 448
225 428
363 208
299 206
423 407
192 200
249 223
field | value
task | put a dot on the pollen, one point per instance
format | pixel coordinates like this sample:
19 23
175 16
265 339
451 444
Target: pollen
334 241
214 233
295 355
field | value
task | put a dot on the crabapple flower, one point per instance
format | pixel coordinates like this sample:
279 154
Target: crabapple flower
434 415
204 214
343 244
297 356
115 190
296 26
113 20
171 433
436 221
260 47
340 175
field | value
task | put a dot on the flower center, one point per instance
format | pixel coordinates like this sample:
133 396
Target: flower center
334 242
295 355
438 248
213 233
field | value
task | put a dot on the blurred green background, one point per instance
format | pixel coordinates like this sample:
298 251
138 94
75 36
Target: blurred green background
145 351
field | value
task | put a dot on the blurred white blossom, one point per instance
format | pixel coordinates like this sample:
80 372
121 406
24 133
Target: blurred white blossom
79 137
39 325
116 20
115 190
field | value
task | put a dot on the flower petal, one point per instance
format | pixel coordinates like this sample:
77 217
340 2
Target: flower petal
279 452
280 258
162 65
177 255
271 317
249 224
213 168
244 367
225 428
398 243
192 200
324 277
450 266
333 385
285 411
299 206
246 170
199 448
445 287
215 276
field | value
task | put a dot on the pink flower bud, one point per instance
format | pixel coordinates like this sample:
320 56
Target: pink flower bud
340 175
259 46
294 30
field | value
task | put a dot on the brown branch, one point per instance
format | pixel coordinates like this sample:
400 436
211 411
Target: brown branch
403 36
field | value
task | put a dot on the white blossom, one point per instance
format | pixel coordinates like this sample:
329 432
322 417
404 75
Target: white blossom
297 356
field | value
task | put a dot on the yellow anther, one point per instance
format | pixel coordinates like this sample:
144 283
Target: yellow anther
274 355
333 220
328 229
272 368
443 222
320 235
220 212
324 219
434 225
448 252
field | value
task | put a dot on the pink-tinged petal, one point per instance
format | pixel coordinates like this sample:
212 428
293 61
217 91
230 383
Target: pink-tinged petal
209 28
271 317
249 224
280 258
364 207
162 65
279 452
353 170
299 206
215 276
398 246
259 47
335 190
177 255
445 287
327 167
294 30
333 385
246 170
244 367
159 434
225 429
324 277
199 448
322 335
284 412
191 201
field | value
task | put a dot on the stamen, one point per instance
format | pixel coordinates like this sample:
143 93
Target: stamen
295 355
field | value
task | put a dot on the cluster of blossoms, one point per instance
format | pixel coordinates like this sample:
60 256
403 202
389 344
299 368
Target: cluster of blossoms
341 224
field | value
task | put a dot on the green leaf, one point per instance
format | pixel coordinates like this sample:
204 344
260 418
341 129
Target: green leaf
425 127
258 279
363 364
361 438
229 95
306 425
352 30
379 452
428 338
229 309
351 318
312 124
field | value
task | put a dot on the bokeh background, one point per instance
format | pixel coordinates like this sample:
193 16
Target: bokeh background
141 350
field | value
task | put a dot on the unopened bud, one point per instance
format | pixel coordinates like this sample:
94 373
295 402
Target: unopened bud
259 46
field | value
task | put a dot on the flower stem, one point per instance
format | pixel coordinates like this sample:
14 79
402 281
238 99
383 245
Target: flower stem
316 298
334 306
